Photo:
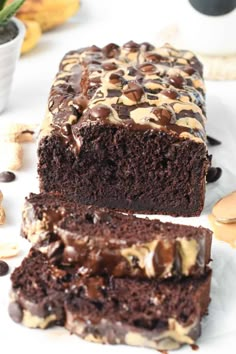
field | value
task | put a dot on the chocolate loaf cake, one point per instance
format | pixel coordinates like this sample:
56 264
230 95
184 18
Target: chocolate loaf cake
98 241
161 315
125 129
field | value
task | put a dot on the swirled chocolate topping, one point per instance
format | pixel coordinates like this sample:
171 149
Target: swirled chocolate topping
135 85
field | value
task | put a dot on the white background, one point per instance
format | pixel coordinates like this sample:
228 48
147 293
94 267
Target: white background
101 22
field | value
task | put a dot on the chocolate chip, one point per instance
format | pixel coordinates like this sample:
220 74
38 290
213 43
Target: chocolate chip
154 58
100 111
134 92
70 254
115 78
15 312
170 93
132 71
213 141
131 46
147 68
7 176
66 129
111 50
188 69
109 66
213 174
164 115
176 80
146 46
80 102
4 268
195 63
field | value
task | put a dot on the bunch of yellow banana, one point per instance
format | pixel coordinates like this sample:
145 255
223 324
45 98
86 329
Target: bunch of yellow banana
42 15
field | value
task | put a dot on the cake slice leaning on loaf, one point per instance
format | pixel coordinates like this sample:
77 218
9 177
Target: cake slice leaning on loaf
125 129
99 241
160 315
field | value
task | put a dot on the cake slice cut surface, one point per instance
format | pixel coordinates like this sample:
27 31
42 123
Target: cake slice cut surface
99 241
162 315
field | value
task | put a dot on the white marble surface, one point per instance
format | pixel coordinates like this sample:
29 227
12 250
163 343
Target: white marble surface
99 23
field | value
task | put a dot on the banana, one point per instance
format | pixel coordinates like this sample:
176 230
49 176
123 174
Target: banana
32 36
48 13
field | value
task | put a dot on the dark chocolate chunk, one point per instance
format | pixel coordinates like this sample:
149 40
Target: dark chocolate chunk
80 102
188 69
170 93
66 129
194 346
164 115
131 46
100 111
154 57
147 68
134 92
7 176
111 50
146 46
195 63
176 80
109 66
115 78
4 268
213 174
213 141
132 71
15 312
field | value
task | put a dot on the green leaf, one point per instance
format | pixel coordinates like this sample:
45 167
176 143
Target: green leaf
9 11
2 4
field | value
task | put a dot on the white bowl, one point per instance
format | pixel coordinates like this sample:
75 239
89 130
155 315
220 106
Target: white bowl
9 55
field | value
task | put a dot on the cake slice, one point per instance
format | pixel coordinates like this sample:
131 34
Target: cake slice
98 241
161 315
125 129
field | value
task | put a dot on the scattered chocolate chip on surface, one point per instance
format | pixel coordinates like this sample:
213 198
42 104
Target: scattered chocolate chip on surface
134 92
7 176
101 111
214 173
4 268
212 141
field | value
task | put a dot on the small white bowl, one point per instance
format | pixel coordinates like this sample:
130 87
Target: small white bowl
9 55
